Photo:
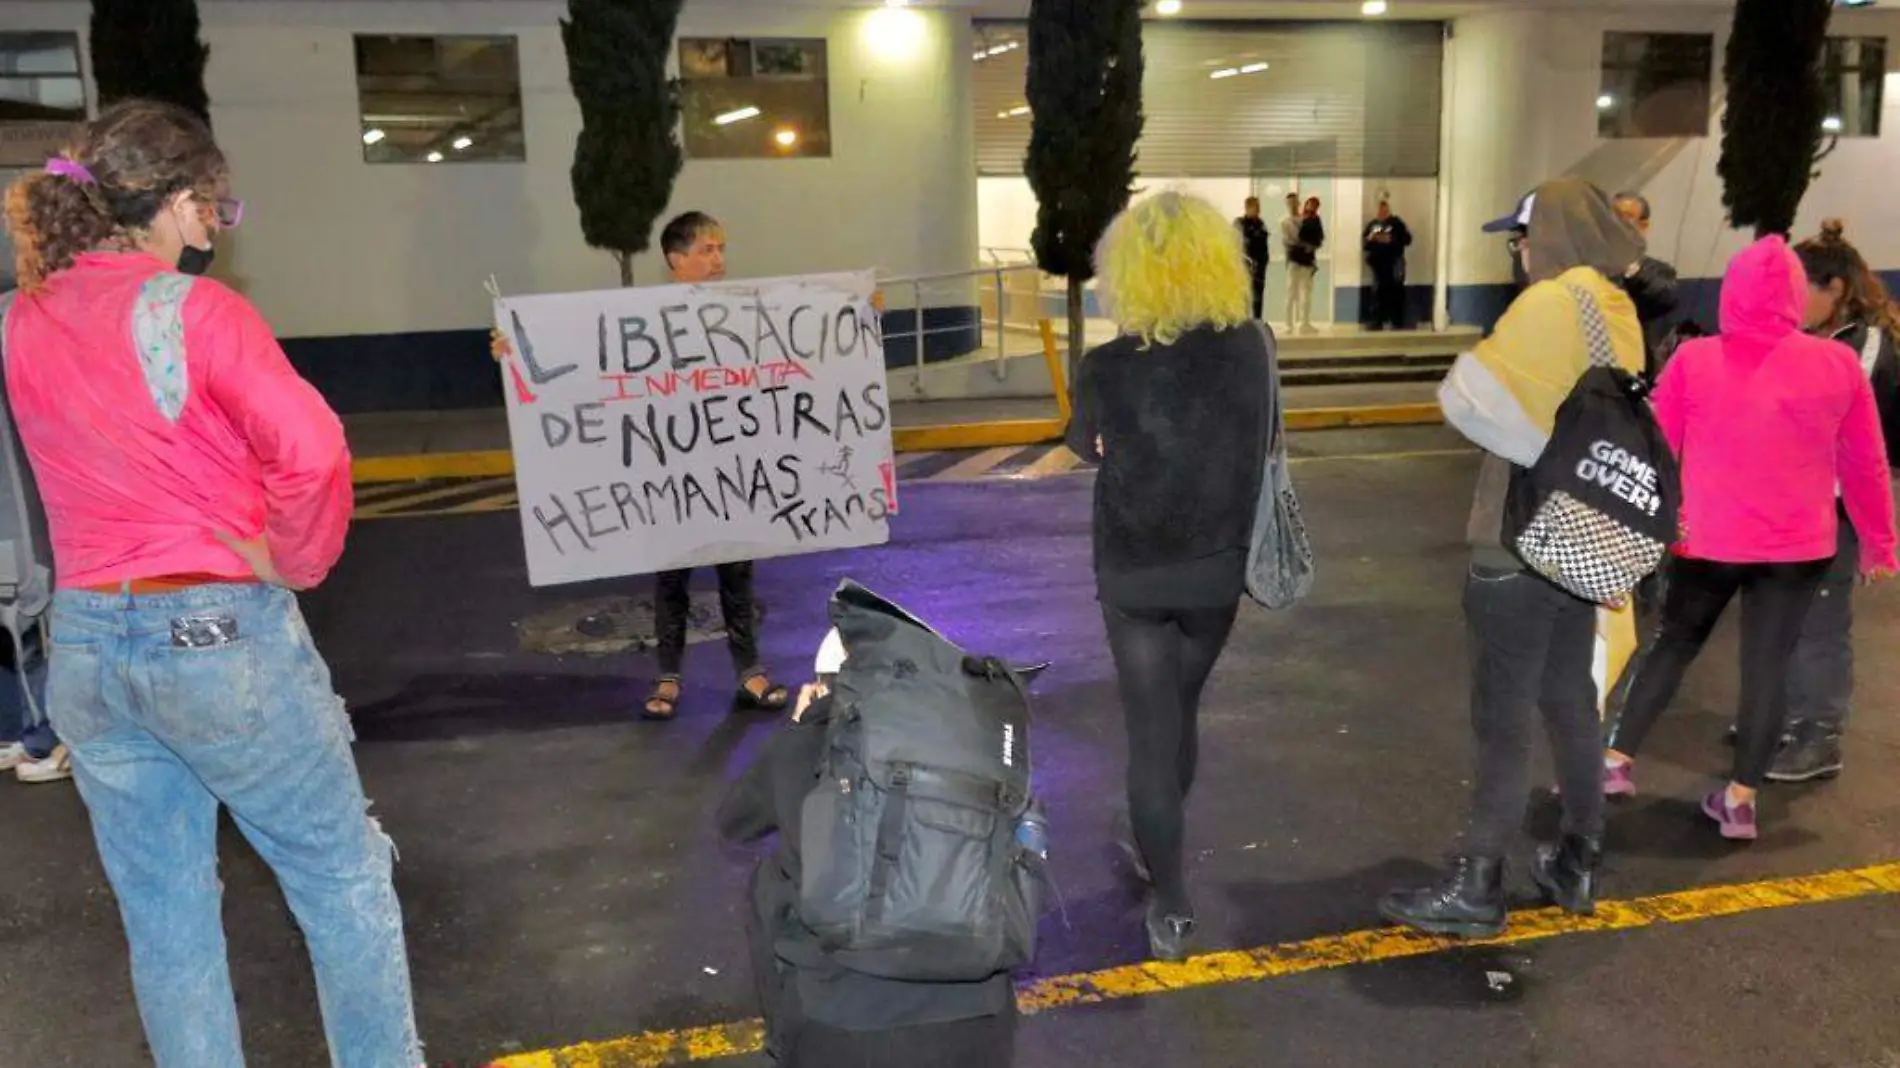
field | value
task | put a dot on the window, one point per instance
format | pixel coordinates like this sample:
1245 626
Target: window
440 99
41 95
1656 85
755 99
1854 73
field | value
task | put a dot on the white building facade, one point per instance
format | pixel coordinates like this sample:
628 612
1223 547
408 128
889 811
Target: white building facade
881 139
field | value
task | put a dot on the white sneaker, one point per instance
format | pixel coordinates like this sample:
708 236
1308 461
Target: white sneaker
56 766
12 755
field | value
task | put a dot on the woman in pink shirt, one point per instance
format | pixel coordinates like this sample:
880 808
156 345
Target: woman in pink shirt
1768 421
191 482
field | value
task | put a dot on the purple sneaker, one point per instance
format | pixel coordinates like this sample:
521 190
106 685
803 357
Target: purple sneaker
1737 821
1619 779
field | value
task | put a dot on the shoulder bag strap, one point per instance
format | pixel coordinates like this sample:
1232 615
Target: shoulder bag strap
1596 334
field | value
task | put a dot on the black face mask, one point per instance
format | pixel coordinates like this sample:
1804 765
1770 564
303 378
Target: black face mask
195 260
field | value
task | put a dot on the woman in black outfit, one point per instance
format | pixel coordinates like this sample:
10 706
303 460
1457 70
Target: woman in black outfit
1175 411
818 1014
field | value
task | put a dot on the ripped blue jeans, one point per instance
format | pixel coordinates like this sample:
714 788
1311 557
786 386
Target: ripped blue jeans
174 704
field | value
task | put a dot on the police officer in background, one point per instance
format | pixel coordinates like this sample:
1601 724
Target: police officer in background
1253 239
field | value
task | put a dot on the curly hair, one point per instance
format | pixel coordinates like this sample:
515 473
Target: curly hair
1831 257
1170 264
139 153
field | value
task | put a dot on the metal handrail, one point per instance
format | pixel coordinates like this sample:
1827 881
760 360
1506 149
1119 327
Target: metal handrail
994 277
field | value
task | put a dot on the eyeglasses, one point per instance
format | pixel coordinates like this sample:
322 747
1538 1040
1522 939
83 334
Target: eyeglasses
230 212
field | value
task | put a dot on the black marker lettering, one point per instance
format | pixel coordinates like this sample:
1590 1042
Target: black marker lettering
633 329
622 495
715 419
845 411
673 335
873 395
583 424
630 431
589 509
748 423
802 403
552 523
555 430
712 321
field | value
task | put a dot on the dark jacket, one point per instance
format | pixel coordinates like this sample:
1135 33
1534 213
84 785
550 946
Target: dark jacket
1652 287
1253 240
1884 375
1383 253
796 980
1312 239
1183 428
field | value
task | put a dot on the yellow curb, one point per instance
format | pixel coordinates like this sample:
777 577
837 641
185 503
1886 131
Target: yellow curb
719 1041
493 463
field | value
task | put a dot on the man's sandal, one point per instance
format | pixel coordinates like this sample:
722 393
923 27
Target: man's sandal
773 698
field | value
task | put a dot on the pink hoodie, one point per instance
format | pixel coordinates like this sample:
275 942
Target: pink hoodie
1768 421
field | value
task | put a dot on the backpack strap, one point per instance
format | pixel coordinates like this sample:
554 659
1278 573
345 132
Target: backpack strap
1596 334
1870 350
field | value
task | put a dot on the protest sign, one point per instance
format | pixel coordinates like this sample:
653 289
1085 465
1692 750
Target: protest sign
676 426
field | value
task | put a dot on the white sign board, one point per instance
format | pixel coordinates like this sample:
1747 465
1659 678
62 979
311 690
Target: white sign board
677 426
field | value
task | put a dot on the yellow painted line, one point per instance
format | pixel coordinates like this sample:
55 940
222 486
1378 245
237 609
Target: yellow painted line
716 1042
975 466
386 505
489 464
1370 415
496 503
1054 462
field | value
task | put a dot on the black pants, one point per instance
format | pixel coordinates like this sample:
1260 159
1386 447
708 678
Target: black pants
1162 660
1388 295
1257 276
1531 647
671 601
1821 676
1775 600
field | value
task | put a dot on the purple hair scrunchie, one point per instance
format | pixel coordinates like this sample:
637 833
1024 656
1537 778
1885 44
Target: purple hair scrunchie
67 168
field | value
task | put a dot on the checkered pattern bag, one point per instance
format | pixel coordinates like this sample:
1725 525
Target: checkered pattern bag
1598 510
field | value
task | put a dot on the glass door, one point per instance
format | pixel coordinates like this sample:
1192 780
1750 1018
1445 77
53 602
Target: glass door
1272 191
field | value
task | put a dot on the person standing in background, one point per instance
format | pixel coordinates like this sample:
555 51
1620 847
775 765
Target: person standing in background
1386 239
1304 260
1290 240
1253 240
1650 282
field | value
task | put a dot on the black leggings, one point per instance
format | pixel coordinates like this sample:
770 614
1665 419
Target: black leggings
672 601
1162 660
1775 600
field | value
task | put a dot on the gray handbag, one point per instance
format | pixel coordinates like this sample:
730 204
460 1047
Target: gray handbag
1280 559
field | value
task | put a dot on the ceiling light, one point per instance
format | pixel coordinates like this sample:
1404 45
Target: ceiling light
1372 8
1168 7
1225 72
1605 102
1832 124
435 157
372 136
786 137
1253 68
896 3
739 115
462 143
1016 112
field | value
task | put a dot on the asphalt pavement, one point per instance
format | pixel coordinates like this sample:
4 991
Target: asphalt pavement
562 885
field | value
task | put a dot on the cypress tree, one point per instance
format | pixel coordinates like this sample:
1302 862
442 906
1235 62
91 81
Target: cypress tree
628 154
1771 132
1084 91
150 49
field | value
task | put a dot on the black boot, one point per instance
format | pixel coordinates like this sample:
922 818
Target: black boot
1567 873
1813 753
1467 903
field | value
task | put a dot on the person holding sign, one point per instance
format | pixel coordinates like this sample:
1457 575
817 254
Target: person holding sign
192 481
694 244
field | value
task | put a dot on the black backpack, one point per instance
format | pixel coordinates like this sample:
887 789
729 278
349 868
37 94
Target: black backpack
1598 510
922 844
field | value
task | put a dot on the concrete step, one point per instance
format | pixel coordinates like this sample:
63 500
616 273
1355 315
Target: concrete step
1355 376
1310 361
